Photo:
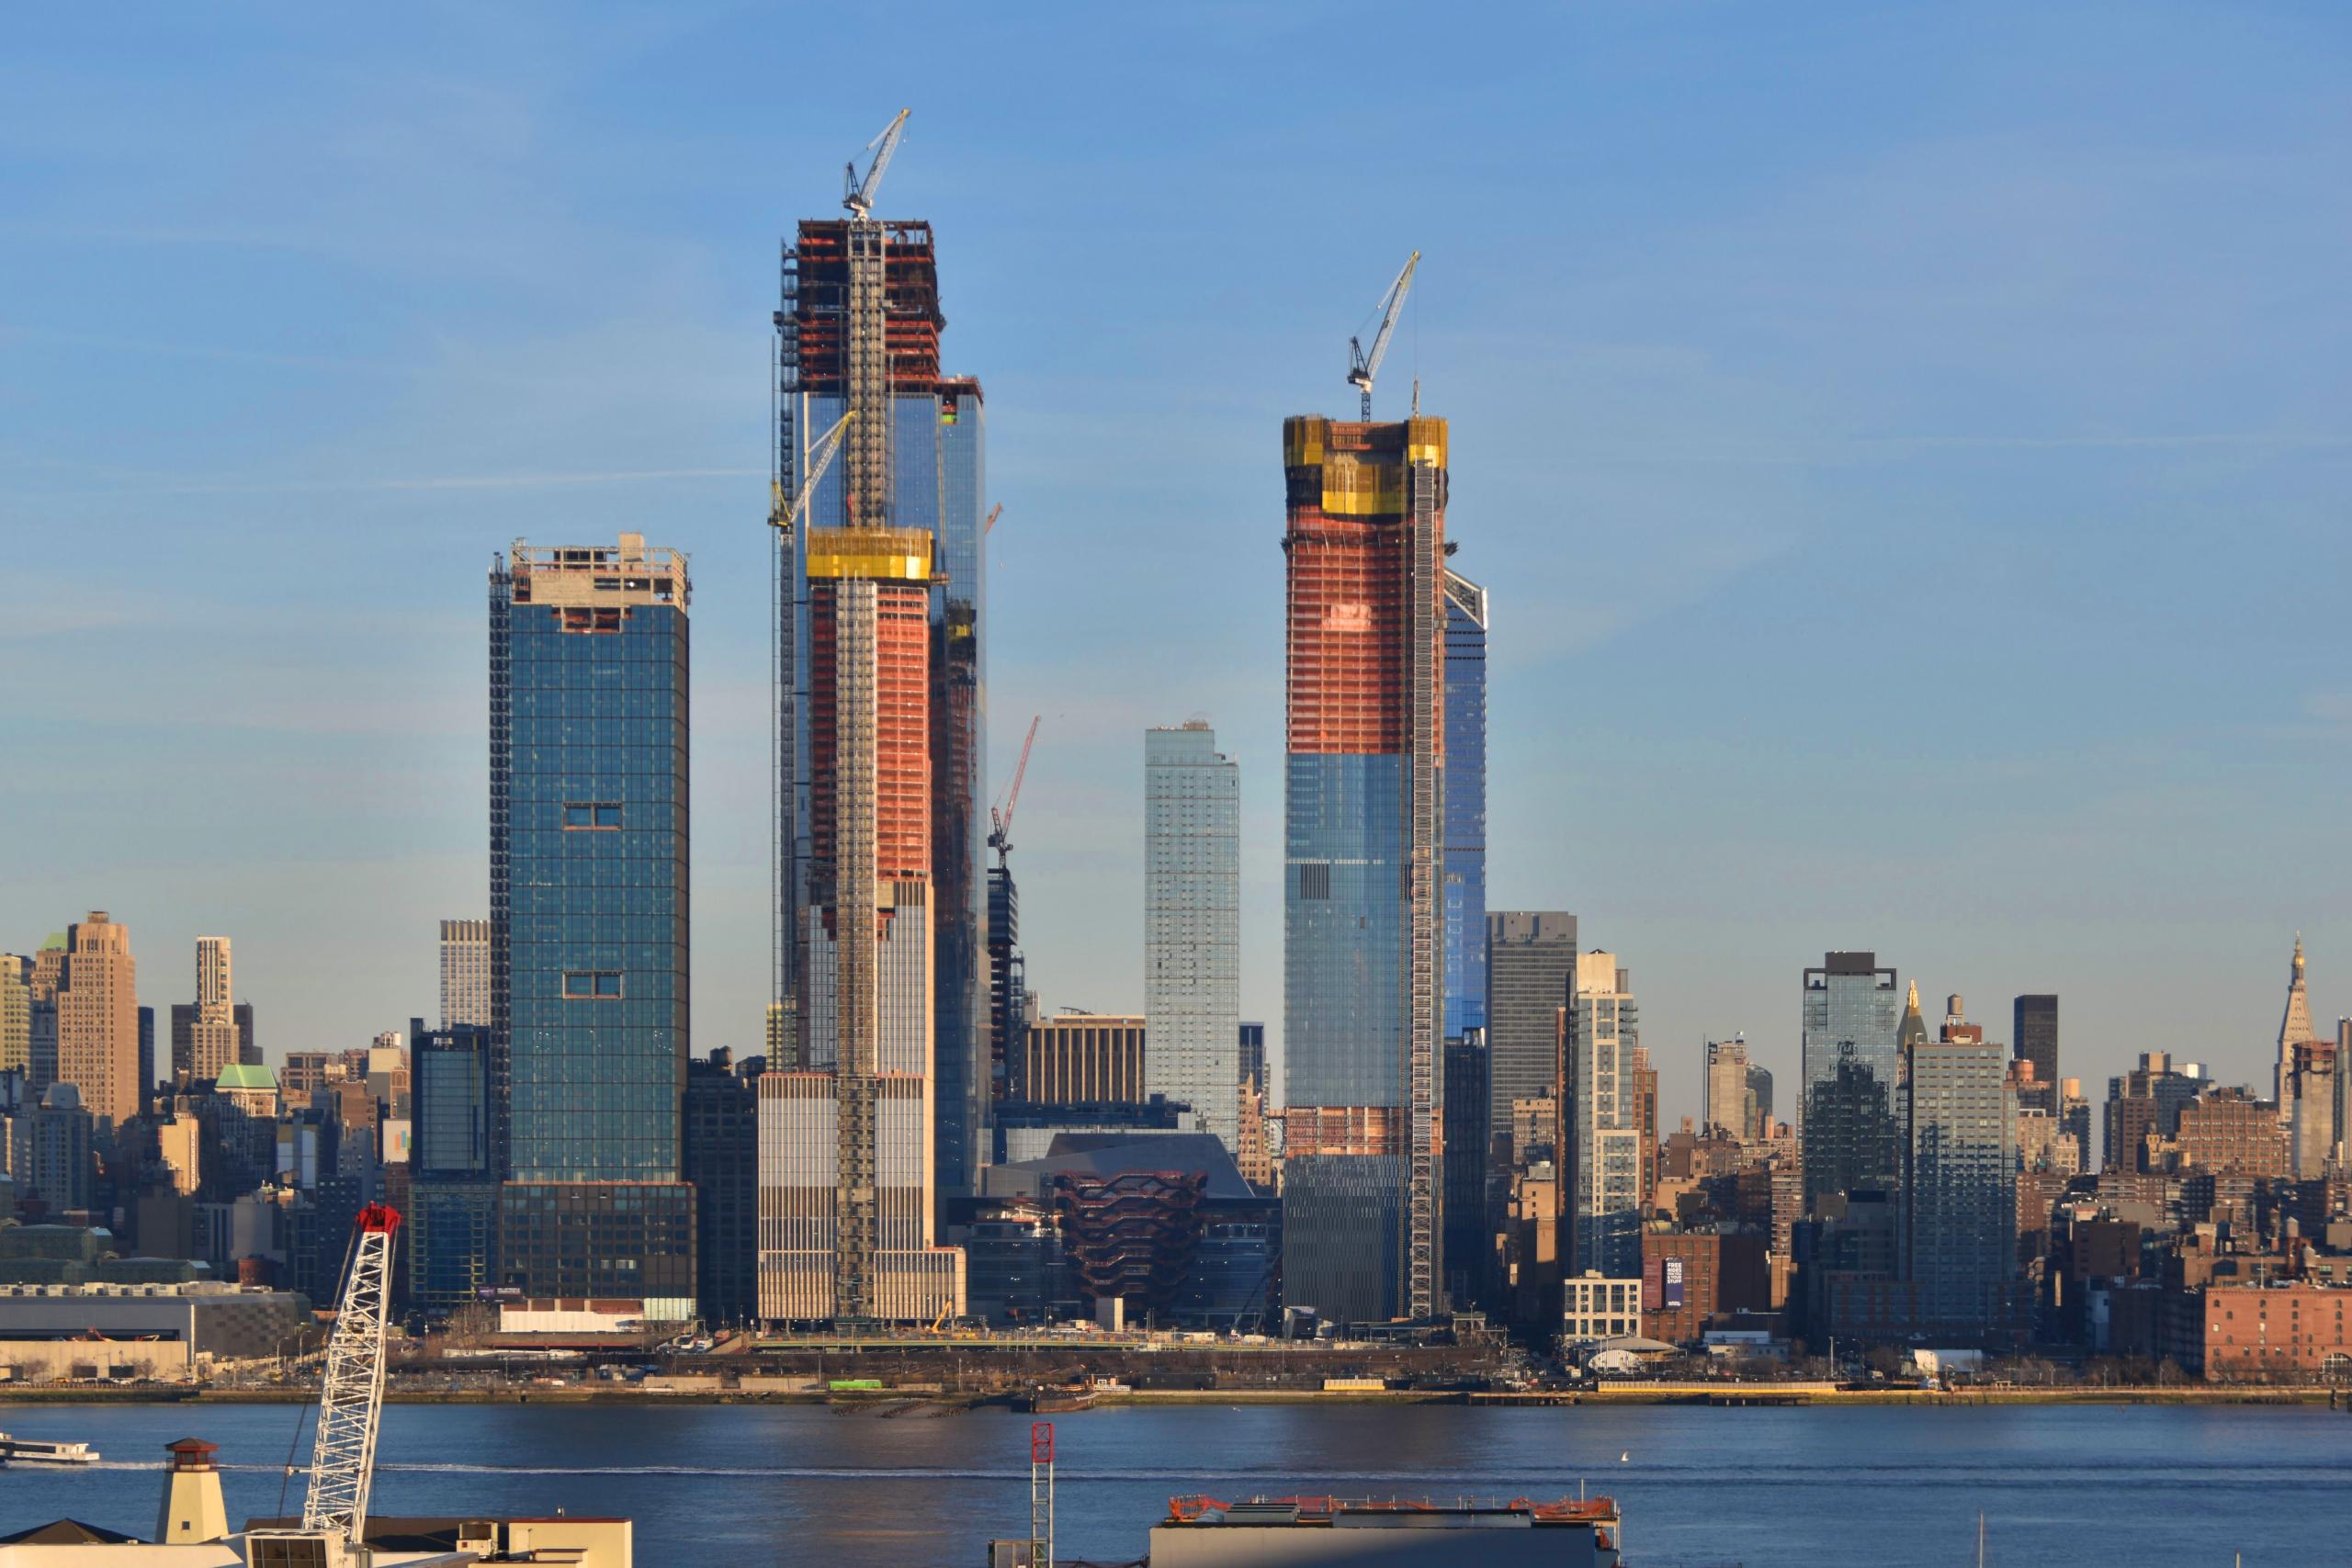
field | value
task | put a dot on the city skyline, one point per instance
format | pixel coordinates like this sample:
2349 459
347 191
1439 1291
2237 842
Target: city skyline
348 794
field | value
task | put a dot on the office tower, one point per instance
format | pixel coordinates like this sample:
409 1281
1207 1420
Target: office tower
1731 1105
2294 1028
146 1056
2343 1089
1365 547
874 1103
2312 1126
589 919
1192 924
1469 1245
722 1155
2034 1038
1960 1179
1645 1101
1759 1099
97 983
1464 979
1253 1042
2074 1117
1601 1121
1088 1057
465 973
1531 964
1009 1008
16 1014
1851 1058
212 1026
454 1157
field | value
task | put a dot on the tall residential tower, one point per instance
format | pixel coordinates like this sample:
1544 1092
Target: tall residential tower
1363 907
588 919
1192 925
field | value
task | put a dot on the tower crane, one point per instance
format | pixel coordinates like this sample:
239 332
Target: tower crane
820 457
351 1403
857 195
989 526
1364 367
1000 819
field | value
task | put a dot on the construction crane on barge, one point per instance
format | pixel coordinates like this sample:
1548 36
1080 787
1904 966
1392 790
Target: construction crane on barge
1362 366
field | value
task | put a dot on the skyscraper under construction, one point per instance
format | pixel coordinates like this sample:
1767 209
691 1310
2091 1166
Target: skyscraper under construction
1365 546
873 1102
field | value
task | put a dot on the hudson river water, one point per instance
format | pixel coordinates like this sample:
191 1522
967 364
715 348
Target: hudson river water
2060 1486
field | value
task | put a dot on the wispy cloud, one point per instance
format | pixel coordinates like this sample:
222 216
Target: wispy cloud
379 485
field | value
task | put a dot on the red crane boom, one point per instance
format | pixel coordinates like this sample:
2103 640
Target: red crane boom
1001 837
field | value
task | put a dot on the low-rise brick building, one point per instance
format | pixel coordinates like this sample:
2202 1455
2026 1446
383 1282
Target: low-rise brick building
2294 1331
1689 1277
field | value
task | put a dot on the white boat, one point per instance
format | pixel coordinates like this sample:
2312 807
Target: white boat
31 1450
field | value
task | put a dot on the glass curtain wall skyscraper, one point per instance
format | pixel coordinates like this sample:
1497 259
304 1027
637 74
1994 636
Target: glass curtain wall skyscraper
1466 806
1960 1191
1363 908
873 1106
1851 1119
2034 1038
589 919
1192 925
1468 1129
1531 975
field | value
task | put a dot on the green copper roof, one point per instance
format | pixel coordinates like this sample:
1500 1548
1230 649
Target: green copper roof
240 1075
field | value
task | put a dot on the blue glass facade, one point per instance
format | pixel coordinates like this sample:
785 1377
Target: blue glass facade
1342 930
1850 1109
1464 974
589 914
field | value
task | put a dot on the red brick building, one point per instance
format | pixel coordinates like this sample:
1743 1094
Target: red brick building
2282 1331
1687 1277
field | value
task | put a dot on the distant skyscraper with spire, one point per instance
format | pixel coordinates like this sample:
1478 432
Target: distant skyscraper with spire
1913 1031
2294 1028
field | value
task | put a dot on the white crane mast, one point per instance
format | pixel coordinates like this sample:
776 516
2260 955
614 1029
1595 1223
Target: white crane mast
1364 367
351 1395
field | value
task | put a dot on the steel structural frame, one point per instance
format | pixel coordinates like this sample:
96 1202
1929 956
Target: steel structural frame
343 1456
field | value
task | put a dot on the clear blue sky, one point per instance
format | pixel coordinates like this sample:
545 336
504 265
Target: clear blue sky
1908 446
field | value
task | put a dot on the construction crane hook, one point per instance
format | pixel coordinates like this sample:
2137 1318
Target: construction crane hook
1363 365
857 195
